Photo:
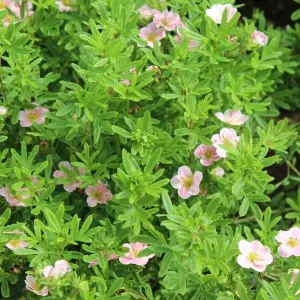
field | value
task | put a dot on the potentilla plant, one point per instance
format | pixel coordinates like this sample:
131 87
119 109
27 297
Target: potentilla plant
144 153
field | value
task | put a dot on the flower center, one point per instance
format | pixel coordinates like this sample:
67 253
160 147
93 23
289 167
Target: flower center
14 243
96 194
208 155
253 257
66 2
293 243
188 182
33 116
136 252
165 22
152 37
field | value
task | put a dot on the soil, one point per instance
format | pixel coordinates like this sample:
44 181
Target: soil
276 11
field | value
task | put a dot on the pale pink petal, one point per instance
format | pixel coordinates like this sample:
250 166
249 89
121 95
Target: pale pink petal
244 262
175 182
89 190
206 162
47 270
245 247
184 193
58 174
284 251
198 176
91 202
184 171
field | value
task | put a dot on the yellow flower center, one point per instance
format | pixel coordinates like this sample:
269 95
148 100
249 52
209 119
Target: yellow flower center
2 5
165 22
208 155
151 37
253 257
136 252
33 116
14 243
188 182
293 243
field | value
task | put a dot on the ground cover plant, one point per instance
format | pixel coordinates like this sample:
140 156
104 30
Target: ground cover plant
149 150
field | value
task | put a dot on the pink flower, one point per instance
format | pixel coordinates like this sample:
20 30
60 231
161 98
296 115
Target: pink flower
219 172
15 8
33 286
98 194
60 268
254 255
290 242
186 182
217 10
147 12
225 137
64 5
16 244
131 255
36 115
191 43
232 117
167 19
15 200
259 38
69 187
125 81
207 154
151 33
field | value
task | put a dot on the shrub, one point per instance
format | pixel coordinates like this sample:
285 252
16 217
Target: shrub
143 151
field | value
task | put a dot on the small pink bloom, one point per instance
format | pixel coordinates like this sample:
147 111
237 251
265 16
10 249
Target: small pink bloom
113 256
64 5
290 242
232 117
207 154
167 19
125 81
219 172
15 8
69 187
33 286
192 44
15 200
16 244
147 12
36 115
259 38
153 68
60 268
98 194
254 255
131 255
225 137
217 10
151 33
186 182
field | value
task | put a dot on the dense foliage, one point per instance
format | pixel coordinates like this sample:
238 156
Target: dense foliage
148 152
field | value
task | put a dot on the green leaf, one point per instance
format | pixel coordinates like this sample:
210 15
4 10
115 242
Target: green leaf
121 132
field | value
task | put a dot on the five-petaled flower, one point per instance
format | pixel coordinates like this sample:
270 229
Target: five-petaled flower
60 268
290 242
232 117
226 137
207 154
259 38
186 182
147 12
32 116
69 187
33 286
98 194
217 10
151 33
167 19
131 255
254 255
